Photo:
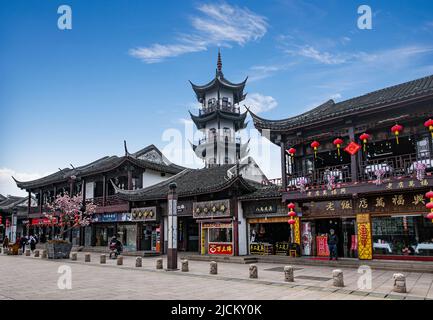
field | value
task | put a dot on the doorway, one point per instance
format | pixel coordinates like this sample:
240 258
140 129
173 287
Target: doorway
323 227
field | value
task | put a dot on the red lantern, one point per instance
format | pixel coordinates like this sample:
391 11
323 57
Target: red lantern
292 152
429 195
429 124
429 205
292 221
1 220
364 137
291 205
315 145
292 214
338 142
430 216
396 130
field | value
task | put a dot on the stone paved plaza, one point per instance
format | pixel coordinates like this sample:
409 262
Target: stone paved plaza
35 278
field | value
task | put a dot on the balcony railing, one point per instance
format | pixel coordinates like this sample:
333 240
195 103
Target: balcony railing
227 107
109 201
368 170
222 138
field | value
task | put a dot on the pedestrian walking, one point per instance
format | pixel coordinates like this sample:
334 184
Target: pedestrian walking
6 242
32 242
23 242
332 245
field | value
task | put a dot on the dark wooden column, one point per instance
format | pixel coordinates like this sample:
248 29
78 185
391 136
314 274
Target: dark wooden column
129 179
353 162
41 200
104 190
283 165
29 205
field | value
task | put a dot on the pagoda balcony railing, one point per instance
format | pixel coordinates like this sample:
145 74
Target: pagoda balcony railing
219 138
227 107
396 166
109 201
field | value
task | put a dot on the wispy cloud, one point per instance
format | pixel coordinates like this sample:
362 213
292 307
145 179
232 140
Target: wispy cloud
7 184
216 25
258 103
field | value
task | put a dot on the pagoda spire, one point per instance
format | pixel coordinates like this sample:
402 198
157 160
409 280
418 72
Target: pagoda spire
219 62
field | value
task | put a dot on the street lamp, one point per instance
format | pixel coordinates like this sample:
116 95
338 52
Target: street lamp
172 228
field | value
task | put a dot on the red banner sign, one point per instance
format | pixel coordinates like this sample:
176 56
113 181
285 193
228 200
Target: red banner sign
220 248
322 246
43 221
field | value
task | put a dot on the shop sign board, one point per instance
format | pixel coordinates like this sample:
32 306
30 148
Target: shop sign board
211 209
44 221
267 208
216 225
220 248
143 214
282 248
261 248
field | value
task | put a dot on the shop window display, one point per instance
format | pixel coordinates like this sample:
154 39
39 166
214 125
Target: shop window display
220 235
403 235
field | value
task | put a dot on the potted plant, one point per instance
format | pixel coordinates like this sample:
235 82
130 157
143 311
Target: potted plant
72 213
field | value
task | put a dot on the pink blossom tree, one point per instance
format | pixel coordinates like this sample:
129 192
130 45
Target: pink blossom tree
72 212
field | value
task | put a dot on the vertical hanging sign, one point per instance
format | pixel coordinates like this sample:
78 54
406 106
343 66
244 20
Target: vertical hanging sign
365 247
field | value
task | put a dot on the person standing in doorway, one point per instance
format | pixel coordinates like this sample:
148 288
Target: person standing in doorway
332 245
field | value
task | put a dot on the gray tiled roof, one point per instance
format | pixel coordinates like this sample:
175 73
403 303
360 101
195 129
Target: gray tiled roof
264 192
189 182
419 88
11 201
101 165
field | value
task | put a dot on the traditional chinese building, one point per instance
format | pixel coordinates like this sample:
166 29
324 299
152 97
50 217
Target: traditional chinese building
220 120
361 167
137 170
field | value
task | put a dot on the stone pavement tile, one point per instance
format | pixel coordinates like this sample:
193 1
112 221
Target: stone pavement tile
359 293
395 297
413 298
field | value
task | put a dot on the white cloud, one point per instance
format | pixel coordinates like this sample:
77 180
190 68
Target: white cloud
7 184
321 57
217 25
258 103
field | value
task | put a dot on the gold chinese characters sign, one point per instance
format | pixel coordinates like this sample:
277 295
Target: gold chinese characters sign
365 246
143 214
297 230
211 209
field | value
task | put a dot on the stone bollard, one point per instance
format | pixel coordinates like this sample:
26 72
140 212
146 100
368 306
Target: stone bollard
185 267
399 283
213 268
87 257
119 260
138 262
74 256
159 263
253 271
288 274
44 254
337 276
103 259
36 253
27 252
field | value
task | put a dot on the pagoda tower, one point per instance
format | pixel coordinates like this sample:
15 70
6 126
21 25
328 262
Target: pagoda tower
220 120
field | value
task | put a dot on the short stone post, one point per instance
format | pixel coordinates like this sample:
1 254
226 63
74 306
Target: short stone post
103 259
119 260
27 252
87 257
185 267
253 271
159 264
399 283
44 254
138 262
337 276
36 255
213 268
289 274
74 256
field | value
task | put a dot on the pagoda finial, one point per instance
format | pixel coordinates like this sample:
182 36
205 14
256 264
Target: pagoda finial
219 63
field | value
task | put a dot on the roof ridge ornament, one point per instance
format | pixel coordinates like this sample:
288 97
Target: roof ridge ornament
219 62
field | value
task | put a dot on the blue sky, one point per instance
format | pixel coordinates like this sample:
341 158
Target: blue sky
72 96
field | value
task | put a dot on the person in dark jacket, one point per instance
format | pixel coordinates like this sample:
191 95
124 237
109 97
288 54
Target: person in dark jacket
6 242
332 245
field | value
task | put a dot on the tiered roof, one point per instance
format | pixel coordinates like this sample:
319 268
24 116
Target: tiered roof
409 91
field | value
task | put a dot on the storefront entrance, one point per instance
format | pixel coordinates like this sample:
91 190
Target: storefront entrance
345 231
